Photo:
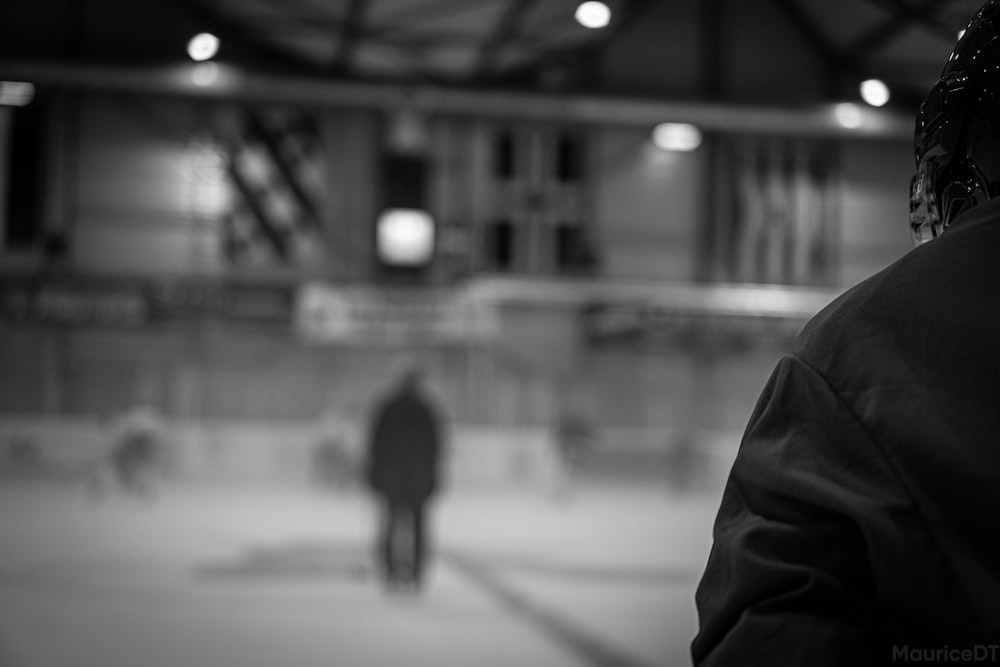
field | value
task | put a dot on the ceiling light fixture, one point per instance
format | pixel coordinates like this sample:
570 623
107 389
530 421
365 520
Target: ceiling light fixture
593 14
875 92
203 46
682 137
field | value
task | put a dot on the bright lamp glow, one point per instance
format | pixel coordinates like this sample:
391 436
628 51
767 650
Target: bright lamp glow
677 137
203 46
848 115
874 92
204 74
405 236
16 93
593 14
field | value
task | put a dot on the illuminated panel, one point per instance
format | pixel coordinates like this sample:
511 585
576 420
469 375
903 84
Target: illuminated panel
16 93
405 237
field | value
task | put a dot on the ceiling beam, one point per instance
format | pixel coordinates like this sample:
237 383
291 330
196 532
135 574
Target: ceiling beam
231 32
903 16
626 15
350 32
587 54
712 53
505 30
835 63
320 92
417 13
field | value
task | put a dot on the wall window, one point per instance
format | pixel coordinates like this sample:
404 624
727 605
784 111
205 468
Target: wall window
21 177
537 220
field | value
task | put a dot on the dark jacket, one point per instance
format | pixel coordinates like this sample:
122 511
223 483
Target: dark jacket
404 448
860 515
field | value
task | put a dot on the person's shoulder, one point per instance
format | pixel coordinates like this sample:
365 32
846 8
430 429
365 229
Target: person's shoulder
844 315
924 285
875 305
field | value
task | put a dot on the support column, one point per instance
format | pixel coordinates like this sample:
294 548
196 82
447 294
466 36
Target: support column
347 209
6 118
708 237
60 145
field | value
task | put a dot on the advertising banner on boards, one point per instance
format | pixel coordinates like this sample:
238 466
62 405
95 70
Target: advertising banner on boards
364 315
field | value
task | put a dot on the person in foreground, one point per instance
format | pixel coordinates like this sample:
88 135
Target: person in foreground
858 524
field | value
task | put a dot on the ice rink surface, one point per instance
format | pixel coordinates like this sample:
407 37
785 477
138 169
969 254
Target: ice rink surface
267 576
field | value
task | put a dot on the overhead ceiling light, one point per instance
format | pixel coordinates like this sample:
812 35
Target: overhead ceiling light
874 92
961 33
848 115
677 137
16 93
593 14
203 46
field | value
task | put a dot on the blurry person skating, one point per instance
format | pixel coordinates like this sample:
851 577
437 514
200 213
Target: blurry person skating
402 470
137 449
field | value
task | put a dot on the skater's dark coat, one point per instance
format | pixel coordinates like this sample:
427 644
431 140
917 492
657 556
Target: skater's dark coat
405 446
860 516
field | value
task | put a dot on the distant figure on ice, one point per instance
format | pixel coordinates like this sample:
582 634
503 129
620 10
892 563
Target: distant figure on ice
332 462
404 453
137 440
574 433
574 436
